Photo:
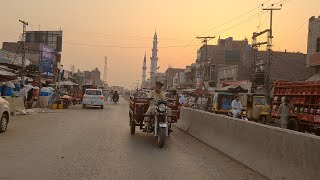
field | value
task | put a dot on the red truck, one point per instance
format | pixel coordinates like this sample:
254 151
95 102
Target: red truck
305 97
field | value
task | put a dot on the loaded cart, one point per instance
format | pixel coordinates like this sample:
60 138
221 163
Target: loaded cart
305 97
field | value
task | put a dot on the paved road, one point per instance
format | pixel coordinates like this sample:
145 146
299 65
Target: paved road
96 144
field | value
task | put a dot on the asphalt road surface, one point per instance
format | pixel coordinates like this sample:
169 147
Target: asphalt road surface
96 144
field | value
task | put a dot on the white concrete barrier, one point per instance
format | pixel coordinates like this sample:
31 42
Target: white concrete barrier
15 103
273 152
184 123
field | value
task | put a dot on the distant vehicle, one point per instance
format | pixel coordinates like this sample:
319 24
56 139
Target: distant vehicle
93 97
5 114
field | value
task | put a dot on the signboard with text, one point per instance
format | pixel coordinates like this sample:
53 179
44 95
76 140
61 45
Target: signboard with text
46 61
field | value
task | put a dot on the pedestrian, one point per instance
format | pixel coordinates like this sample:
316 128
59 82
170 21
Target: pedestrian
192 102
199 102
204 100
182 99
284 111
23 94
209 104
30 98
111 95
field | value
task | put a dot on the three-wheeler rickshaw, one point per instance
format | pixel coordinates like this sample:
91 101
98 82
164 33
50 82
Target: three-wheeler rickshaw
256 106
222 102
167 112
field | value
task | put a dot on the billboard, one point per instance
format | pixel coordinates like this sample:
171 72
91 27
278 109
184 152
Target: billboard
46 61
51 38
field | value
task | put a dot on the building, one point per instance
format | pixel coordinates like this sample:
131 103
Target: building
170 73
190 76
313 52
210 58
289 66
38 52
89 77
179 80
154 60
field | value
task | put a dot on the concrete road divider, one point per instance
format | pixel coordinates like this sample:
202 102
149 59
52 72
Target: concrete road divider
184 123
273 152
15 103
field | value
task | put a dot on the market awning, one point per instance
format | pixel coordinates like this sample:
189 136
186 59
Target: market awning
6 74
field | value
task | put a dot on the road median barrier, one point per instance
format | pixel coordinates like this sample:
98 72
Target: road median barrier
15 104
274 152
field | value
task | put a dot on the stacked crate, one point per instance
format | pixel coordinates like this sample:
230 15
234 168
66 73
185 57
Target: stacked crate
305 96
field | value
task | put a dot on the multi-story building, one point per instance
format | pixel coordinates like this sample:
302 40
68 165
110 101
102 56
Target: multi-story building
179 80
210 58
170 72
288 66
190 76
313 52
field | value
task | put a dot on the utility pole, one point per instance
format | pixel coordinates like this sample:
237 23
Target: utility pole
105 69
269 46
255 46
205 40
24 24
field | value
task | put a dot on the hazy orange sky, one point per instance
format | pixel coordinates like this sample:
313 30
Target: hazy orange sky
130 24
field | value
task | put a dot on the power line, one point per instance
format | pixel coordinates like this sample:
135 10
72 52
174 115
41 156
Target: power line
233 19
124 47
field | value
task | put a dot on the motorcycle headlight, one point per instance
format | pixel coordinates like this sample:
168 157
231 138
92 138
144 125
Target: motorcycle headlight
162 107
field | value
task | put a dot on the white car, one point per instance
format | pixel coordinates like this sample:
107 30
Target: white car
5 114
93 97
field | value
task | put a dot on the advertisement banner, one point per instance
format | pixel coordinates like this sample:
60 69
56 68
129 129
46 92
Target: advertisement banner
46 61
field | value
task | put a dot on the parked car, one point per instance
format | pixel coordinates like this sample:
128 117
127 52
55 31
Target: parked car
93 97
5 114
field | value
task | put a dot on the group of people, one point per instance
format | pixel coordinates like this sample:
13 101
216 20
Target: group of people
201 102
112 94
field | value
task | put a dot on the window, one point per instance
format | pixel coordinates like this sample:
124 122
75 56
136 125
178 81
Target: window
318 45
260 101
93 92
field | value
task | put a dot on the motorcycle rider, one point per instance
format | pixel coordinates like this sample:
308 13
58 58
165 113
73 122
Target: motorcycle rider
156 95
236 107
115 96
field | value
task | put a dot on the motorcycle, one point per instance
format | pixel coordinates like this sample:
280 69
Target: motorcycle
242 115
159 124
115 100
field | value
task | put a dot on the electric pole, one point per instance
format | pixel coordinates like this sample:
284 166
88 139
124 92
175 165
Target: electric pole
269 46
105 69
24 24
205 40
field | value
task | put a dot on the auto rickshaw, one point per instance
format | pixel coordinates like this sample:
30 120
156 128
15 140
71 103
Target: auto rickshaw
222 102
256 106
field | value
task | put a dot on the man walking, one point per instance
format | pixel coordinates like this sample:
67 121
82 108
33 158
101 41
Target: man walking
284 111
